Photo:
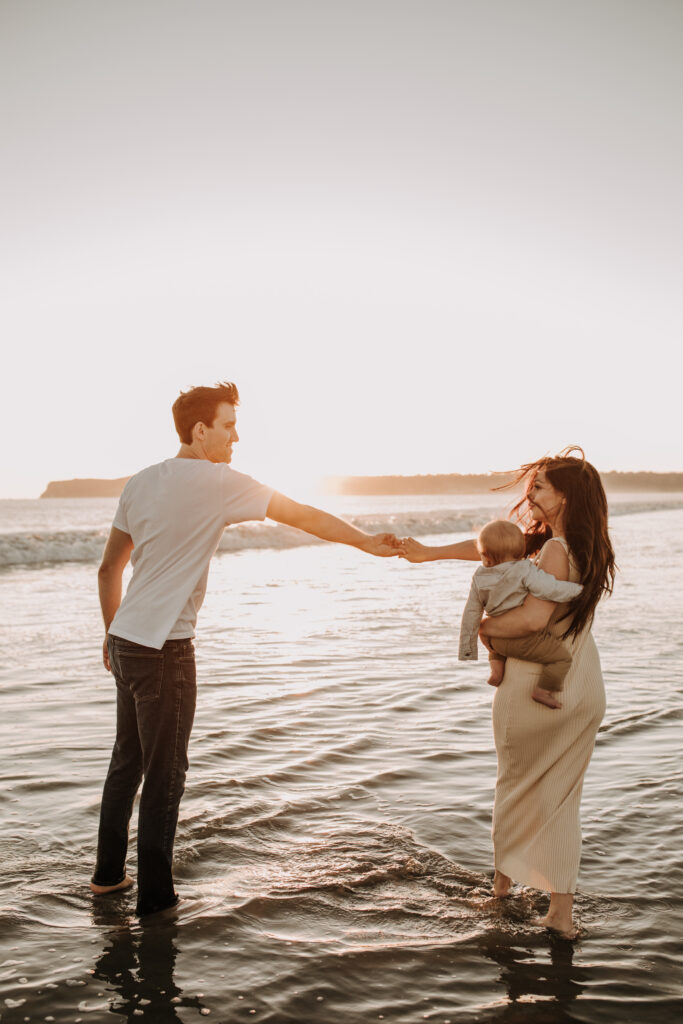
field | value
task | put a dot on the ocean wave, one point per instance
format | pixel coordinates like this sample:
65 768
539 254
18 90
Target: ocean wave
60 546
32 548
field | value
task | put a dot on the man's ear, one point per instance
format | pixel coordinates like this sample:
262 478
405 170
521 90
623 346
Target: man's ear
199 431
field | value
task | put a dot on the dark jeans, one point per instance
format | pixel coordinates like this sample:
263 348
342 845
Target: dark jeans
156 695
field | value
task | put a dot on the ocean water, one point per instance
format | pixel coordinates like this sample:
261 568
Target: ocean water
333 854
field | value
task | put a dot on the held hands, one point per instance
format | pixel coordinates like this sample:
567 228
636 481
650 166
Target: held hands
412 550
383 545
387 545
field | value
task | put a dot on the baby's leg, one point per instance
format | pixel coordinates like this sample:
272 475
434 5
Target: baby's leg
496 663
497 666
556 662
546 650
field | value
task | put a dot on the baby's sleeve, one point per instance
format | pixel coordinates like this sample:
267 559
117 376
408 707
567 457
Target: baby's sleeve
469 627
544 585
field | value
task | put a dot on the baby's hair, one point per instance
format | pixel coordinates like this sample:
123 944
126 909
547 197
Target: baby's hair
501 541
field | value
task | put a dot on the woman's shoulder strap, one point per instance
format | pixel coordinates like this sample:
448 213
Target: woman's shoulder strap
567 550
560 540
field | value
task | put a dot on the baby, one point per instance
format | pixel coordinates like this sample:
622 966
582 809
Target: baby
502 583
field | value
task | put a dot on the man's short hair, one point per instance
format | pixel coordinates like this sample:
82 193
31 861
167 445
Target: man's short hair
199 405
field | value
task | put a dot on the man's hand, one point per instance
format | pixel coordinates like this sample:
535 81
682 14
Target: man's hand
384 545
105 655
412 550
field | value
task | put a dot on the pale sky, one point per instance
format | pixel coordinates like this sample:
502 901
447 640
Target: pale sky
421 236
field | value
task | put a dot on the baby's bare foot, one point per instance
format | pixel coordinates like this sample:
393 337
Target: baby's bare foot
497 673
101 890
545 697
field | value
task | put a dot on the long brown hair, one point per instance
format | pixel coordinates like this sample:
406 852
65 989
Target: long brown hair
585 524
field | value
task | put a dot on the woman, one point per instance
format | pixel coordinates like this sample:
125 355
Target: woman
543 753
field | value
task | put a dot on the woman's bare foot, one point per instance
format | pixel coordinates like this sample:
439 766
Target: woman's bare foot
559 917
497 667
100 890
501 885
566 930
542 696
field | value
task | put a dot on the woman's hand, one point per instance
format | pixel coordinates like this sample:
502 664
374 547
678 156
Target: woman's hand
530 616
412 550
483 628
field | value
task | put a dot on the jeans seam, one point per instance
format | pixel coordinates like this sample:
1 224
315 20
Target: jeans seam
178 708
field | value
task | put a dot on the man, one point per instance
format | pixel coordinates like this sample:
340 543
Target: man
169 521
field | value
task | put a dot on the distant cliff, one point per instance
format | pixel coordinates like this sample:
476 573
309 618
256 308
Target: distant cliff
85 488
438 483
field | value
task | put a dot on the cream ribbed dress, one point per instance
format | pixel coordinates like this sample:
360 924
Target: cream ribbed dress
543 754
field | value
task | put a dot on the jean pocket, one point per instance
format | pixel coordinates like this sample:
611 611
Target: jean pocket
187 670
142 674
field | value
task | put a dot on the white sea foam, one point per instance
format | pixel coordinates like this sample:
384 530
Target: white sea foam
44 546
24 548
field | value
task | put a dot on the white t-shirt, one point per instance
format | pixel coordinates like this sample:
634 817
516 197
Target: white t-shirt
176 512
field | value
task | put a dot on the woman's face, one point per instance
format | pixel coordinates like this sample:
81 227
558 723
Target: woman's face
545 503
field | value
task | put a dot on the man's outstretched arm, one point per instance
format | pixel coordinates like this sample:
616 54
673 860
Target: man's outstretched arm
110 580
328 527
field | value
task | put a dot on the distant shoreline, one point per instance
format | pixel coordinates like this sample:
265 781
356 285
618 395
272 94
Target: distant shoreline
482 483
437 483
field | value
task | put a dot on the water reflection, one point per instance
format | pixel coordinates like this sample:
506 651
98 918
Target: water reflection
541 979
137 965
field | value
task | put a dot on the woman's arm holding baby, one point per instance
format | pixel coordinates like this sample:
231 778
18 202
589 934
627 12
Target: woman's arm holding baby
533 614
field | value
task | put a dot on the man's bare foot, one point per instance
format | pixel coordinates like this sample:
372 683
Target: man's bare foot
501 885
561 925
101 890
497 672
542 696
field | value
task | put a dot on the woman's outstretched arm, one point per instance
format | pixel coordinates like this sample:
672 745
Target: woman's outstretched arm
413 551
